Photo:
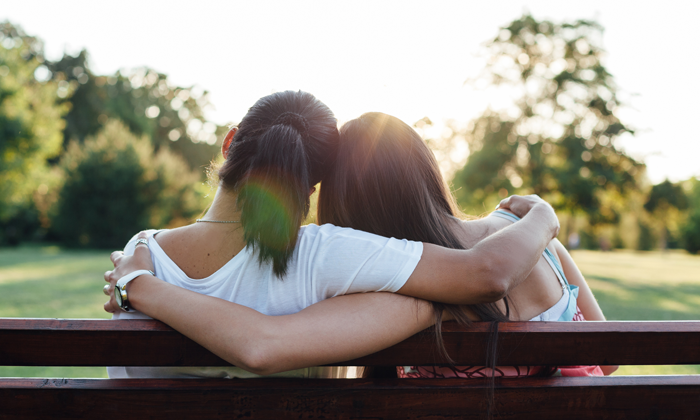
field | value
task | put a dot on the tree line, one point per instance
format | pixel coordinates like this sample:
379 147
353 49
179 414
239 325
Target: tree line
558 139
86 159
89 159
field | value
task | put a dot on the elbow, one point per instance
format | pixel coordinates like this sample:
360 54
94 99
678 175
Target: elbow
609 370
498 290
258 365
259 359
255 359
497 283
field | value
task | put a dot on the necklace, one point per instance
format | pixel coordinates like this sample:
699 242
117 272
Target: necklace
217 221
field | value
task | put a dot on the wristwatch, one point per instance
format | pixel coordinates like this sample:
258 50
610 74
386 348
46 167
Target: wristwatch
120 288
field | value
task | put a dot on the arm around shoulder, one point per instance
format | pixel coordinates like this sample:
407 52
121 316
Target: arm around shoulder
330 331
486 272
333 330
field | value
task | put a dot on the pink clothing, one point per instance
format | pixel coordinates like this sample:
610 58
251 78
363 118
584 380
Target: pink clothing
580 370
499 371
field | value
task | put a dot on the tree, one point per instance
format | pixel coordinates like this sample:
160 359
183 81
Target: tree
145 100
558 138
115 185
30 122
690 230
664 202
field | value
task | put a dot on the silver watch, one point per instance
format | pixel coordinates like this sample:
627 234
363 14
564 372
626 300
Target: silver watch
120 288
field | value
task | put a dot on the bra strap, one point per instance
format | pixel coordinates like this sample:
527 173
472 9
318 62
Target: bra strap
558 271
505 215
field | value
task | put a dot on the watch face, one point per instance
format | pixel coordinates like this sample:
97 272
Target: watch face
118 296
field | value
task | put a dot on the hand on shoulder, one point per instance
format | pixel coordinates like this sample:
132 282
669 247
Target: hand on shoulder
522 205
125 264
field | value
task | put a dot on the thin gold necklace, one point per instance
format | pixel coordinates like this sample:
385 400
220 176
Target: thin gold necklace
217 221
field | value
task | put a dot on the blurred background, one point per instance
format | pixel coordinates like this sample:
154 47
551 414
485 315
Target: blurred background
110 114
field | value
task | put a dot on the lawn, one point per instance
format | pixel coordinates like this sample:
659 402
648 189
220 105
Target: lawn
48 282
645 286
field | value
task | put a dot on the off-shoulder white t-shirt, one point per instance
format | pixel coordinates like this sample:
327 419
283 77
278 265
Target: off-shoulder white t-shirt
328 261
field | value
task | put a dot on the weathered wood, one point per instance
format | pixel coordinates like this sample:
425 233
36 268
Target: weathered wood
54 342
542 398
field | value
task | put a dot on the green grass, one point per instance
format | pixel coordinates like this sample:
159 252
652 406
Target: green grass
48 282
645 286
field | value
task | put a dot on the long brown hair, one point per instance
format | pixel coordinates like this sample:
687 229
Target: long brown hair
386 181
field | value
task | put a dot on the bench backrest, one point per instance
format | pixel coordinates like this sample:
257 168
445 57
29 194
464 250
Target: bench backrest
50 342
80 342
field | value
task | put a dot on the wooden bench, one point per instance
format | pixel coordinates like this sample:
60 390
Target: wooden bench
53 342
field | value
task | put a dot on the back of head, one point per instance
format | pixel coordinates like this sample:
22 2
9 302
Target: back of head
386 181
284 145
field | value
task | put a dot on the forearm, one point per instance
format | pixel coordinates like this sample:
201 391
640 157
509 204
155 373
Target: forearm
334 330
226 333
512 252
486 272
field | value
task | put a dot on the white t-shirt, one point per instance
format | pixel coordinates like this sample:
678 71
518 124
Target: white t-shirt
328 261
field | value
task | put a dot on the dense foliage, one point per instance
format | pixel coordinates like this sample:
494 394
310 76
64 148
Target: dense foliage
63 155
143 99
690 230
115 186
557 139
30 122
90 159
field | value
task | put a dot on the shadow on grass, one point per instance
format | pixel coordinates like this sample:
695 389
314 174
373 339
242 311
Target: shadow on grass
621 300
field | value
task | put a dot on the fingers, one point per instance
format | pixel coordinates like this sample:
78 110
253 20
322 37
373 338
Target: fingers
143 253
108 307
141 239
108 289
504 204
115 257
124 265
520 205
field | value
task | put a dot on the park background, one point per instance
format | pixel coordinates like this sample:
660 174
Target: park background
111 114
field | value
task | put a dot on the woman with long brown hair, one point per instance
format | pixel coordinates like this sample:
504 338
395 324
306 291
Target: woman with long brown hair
386 181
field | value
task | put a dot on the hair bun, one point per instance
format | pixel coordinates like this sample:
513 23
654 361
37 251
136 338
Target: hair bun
293 119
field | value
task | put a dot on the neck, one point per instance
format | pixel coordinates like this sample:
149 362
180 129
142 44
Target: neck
200 249
223 208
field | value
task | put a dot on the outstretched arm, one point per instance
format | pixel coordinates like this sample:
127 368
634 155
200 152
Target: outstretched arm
486 272
482 274
264 344
337 329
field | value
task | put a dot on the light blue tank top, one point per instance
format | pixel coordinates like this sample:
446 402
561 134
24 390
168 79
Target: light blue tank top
568 300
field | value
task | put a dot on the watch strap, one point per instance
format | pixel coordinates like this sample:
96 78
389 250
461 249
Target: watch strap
121 286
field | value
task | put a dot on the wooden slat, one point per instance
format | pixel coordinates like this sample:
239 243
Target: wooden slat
542 398
52 342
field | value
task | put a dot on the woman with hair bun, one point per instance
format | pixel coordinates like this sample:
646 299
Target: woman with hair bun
249 257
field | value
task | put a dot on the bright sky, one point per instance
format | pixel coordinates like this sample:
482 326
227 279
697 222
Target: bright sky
404 58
